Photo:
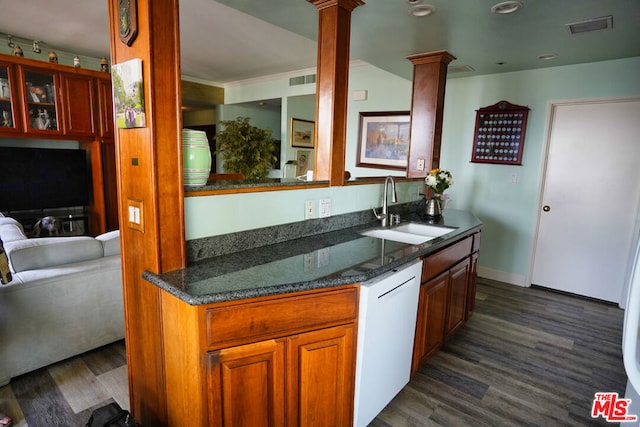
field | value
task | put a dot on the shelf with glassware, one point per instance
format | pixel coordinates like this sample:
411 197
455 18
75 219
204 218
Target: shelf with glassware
40 99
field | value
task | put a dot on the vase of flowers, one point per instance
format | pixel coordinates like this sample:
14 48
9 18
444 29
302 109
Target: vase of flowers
437 180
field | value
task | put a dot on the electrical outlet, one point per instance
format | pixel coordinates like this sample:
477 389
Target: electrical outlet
420 165
514 177
309 209
325 208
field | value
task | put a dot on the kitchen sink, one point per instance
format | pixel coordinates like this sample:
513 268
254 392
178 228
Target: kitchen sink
423 229
412 233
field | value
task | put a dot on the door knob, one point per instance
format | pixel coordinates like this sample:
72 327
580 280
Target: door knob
546 208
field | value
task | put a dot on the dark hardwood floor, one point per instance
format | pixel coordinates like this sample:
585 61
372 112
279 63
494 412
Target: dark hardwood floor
527 357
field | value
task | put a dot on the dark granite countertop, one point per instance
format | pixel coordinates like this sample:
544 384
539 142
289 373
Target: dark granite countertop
318 261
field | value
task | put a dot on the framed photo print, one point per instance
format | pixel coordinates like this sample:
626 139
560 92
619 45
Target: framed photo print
302 133
304 162
128 89
383 140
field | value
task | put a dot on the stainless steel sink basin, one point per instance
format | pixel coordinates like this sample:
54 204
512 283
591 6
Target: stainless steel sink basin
413 233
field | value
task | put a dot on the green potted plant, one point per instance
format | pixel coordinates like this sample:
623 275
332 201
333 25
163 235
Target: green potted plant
245 148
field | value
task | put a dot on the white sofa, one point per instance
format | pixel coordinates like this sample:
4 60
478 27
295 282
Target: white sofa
65 298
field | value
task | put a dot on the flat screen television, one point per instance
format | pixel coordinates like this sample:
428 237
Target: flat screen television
43 178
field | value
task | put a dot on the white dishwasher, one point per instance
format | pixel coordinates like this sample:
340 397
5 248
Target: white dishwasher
386 329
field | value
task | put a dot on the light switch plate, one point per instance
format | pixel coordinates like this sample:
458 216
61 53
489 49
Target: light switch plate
325 208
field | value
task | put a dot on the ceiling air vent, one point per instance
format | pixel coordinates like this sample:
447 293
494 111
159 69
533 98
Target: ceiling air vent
302 80
595 24
459 69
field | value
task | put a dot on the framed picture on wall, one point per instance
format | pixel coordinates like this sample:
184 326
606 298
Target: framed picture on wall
499 134
383 140
128 99
304 159
302 133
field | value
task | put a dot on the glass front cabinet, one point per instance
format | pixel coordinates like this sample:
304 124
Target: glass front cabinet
41 101
8 100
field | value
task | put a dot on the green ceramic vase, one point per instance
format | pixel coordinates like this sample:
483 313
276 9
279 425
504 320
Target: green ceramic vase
196 157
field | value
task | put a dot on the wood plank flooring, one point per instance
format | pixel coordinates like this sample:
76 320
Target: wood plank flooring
66 393
527 357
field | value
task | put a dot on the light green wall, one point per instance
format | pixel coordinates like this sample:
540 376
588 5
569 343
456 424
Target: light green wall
385 92
509 210
216 215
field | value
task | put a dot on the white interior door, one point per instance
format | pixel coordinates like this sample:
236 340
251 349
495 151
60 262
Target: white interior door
590 199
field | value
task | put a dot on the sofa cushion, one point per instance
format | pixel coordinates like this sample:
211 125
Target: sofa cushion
44 252
11 230
110 242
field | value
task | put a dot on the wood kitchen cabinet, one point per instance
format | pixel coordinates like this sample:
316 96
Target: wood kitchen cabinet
79 105
40 115
432 311
105 107
273 361
43 100
443 301
9 104
457 304
473 276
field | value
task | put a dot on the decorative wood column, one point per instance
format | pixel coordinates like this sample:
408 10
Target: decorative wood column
427 108
149 165
334 30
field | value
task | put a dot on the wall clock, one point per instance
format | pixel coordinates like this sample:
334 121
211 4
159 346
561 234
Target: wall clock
128 20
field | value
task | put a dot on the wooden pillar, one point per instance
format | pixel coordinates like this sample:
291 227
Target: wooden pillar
427 108
149 165
334 28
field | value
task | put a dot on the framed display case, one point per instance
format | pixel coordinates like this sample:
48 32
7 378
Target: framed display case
8 100
40 101
499 134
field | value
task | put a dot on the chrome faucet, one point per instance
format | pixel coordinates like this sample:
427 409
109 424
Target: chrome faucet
384 215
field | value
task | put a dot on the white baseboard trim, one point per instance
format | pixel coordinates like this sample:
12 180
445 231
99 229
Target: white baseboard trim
503 276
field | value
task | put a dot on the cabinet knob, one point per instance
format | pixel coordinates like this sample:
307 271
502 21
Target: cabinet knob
546 208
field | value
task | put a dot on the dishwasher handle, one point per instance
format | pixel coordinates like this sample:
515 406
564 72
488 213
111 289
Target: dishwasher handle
397 289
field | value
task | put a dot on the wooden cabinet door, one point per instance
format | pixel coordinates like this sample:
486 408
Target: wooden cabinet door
321 377
108 149
471 290
78 101
246 385
432 311
458 280
9 101
105 108
40 101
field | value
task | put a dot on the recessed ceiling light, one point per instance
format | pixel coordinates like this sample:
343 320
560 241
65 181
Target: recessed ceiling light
506 7
412 2
547 56
422 10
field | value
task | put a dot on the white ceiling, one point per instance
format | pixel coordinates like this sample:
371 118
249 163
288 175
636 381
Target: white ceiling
230 40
